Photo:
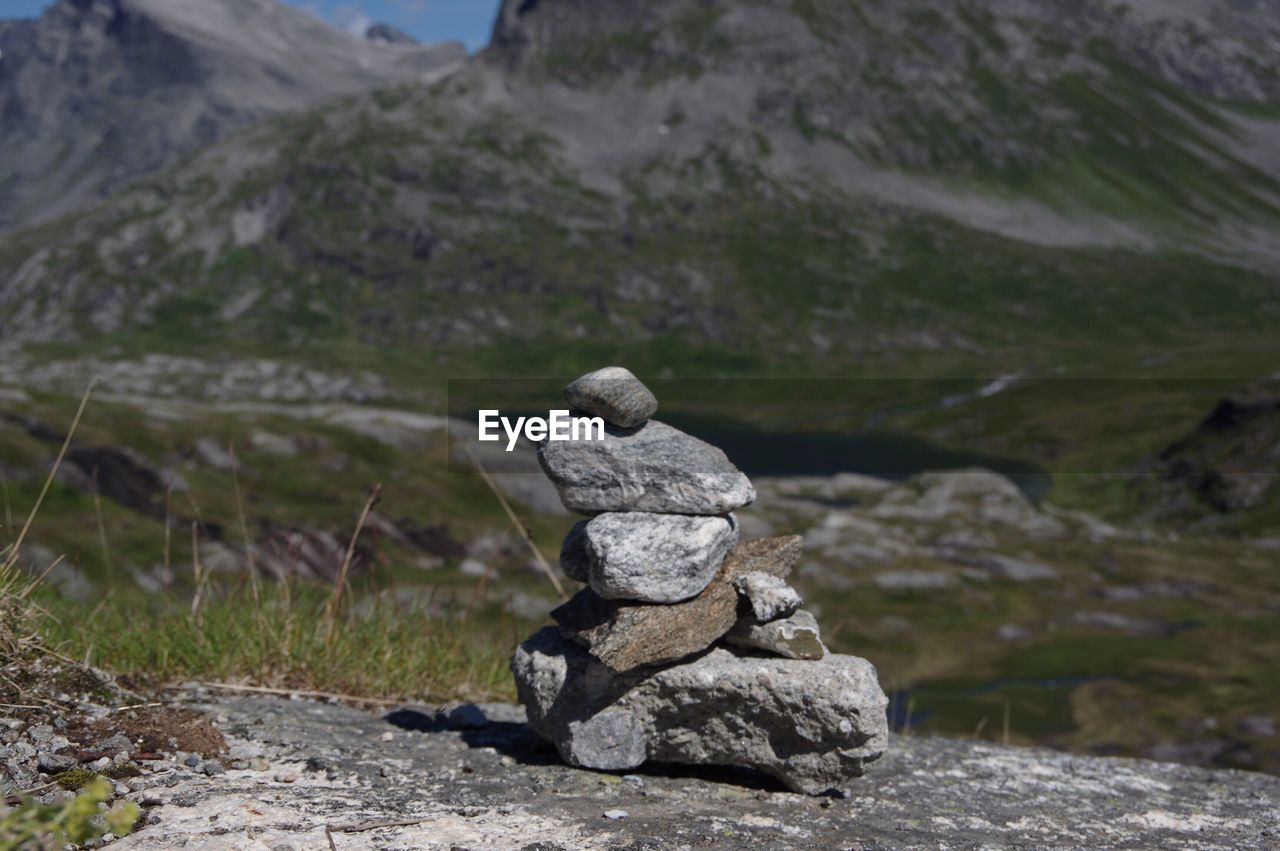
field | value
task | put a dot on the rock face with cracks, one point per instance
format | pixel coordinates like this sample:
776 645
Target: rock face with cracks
813 725
626 636
652 468
655 558
478 777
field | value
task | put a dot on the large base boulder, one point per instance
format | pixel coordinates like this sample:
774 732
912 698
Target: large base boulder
814 725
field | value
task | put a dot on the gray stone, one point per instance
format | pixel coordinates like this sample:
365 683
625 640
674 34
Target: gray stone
1014 632
812 725
998 566
1122 623
1263 726
913 580
626 636
114 744
795 637
652 468
574 559
19 774
769 596
612 738
656 558
613 394
52 763
41 735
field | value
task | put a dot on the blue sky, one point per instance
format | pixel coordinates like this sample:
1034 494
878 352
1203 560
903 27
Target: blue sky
467 21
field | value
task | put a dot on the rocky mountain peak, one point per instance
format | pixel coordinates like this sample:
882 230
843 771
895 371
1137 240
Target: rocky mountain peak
387 34
96 93
529 30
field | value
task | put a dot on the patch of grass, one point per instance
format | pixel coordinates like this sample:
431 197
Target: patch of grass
379 649
448 639
599 57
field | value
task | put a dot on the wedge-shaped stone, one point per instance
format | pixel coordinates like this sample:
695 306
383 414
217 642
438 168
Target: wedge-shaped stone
813 725
769 596
614 395
656 558
651 468
626 636
795 637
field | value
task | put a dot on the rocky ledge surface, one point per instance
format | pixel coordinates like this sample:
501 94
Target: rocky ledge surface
478 778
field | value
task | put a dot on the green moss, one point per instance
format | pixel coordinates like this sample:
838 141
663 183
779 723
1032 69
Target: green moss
601 57
75 779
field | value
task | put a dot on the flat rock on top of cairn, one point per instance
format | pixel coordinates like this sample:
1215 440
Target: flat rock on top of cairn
626 636
615 395
656 558
653 468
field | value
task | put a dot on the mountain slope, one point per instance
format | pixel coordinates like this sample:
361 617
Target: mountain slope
98 92
1123 114
917 186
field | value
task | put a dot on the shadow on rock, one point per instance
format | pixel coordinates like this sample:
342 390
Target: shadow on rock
480 728
483 727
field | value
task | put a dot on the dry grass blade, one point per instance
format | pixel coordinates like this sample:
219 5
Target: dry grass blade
35 583
8 506
168 527
197 572
102 529
520 527
244 526
16 612
132 706
14 554
335 603
378 825
286 692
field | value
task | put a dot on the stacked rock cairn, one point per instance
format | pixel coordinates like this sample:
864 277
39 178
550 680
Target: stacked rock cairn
688 646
